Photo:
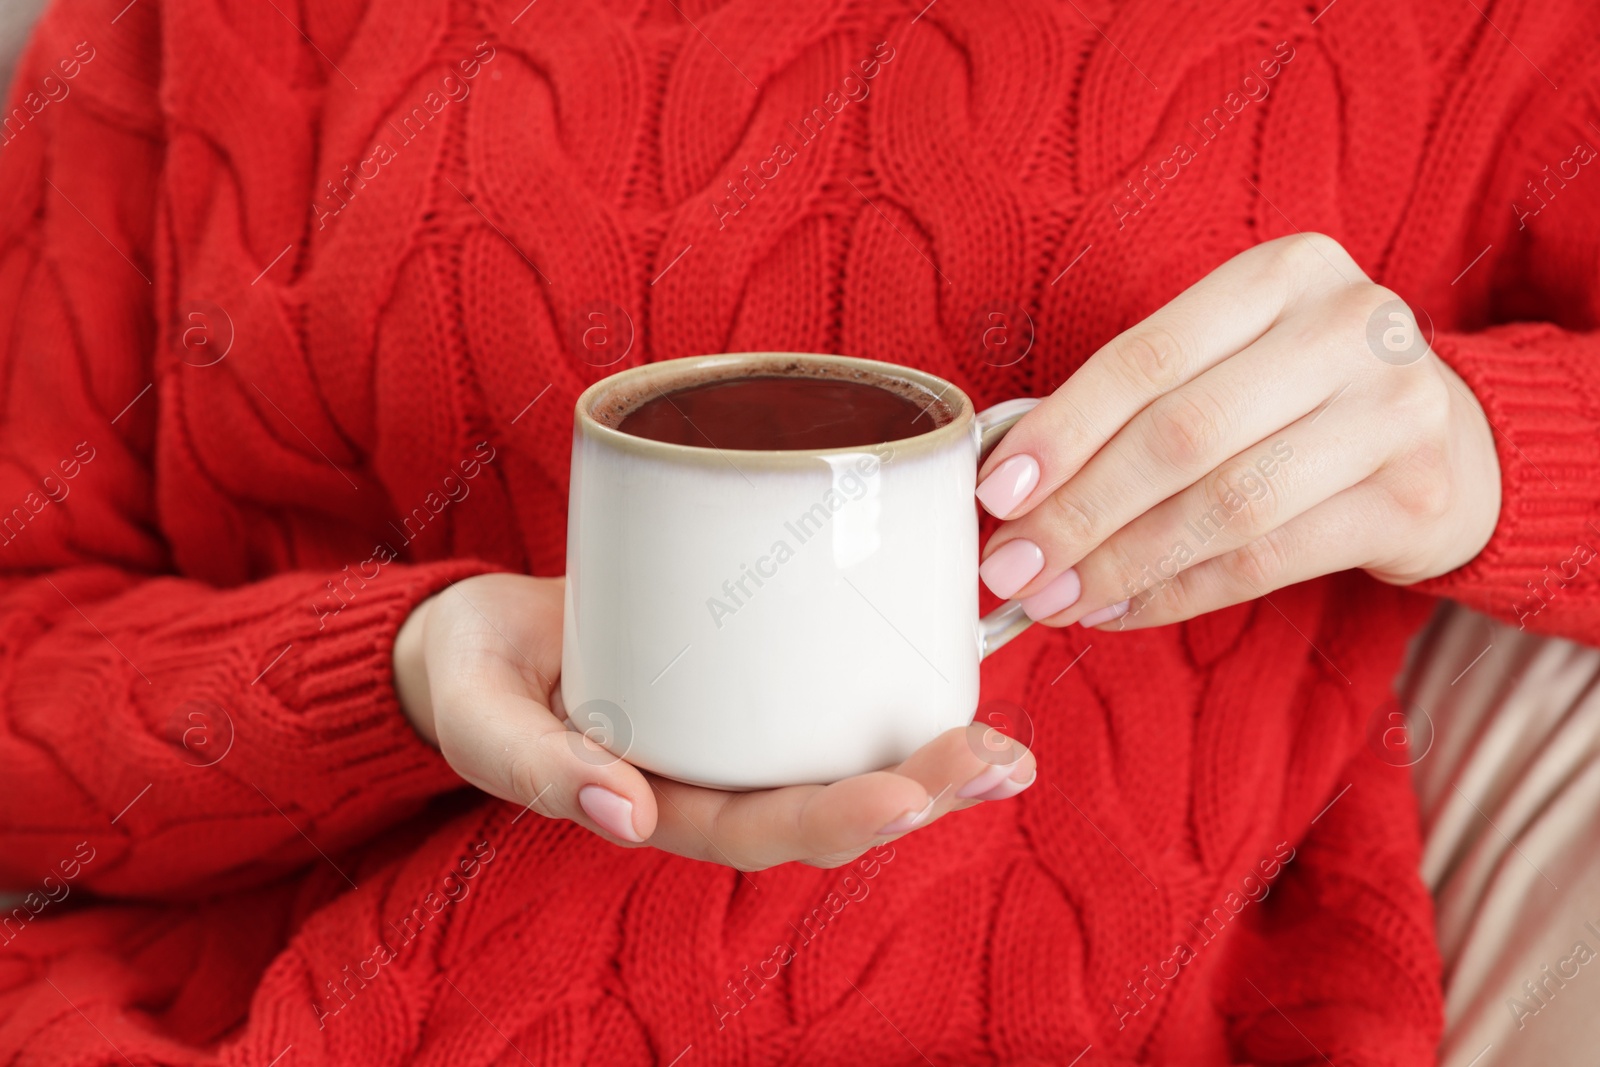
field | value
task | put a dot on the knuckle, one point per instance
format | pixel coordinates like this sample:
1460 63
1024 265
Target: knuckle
529 781
1420 485
1288 254
1420 401
1417 413
1073 519
1321 244
1166 598
1257 564
723 849
1062 421
710 844
1314 250
1374 295
1355 305
1185 428
1118 569
1152 356
1250 501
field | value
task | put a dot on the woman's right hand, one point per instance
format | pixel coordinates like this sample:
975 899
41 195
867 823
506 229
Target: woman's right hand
477 666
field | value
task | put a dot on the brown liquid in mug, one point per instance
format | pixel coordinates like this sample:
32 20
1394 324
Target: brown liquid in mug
784 413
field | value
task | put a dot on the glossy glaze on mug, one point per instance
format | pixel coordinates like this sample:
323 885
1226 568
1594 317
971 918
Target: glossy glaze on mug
748 619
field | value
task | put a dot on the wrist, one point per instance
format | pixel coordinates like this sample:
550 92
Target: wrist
411 672
1472 442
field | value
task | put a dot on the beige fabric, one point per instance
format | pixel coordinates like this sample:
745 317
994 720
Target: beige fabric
16 19
1510 798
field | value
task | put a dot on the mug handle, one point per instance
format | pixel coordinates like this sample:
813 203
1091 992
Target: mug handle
1008 620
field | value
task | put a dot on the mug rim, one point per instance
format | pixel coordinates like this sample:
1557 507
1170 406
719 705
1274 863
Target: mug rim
584 421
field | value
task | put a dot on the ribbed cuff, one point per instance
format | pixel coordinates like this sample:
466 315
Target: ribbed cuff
335 720
1536 385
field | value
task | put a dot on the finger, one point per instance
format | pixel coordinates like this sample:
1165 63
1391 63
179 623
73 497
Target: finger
757 830
1169 446
753 831
1219 315
1244 499
1335 536
506 743
967 765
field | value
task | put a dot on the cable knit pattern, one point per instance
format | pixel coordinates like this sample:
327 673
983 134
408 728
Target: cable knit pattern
314 395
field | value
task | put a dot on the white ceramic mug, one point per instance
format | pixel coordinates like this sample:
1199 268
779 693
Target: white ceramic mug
747 619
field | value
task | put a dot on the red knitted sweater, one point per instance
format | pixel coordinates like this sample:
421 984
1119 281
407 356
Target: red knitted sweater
295 299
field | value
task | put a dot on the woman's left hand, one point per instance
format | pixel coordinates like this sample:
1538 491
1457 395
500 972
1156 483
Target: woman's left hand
1280 420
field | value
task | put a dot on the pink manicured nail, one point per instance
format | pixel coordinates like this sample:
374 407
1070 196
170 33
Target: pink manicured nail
1095 618
909 821
1011 567
613 813
1008 485
1009 788
1059 595
987 779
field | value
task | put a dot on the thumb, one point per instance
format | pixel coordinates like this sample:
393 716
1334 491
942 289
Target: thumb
500 739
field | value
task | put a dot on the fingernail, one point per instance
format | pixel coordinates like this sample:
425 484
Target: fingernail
1011 567
987 779
1008 485
1095 618
1010 788
613 813
1059 595
909 821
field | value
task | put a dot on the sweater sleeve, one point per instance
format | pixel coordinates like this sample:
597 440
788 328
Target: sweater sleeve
158 735
1541 568
1534 366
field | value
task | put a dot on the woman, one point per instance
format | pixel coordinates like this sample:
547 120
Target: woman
297 305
